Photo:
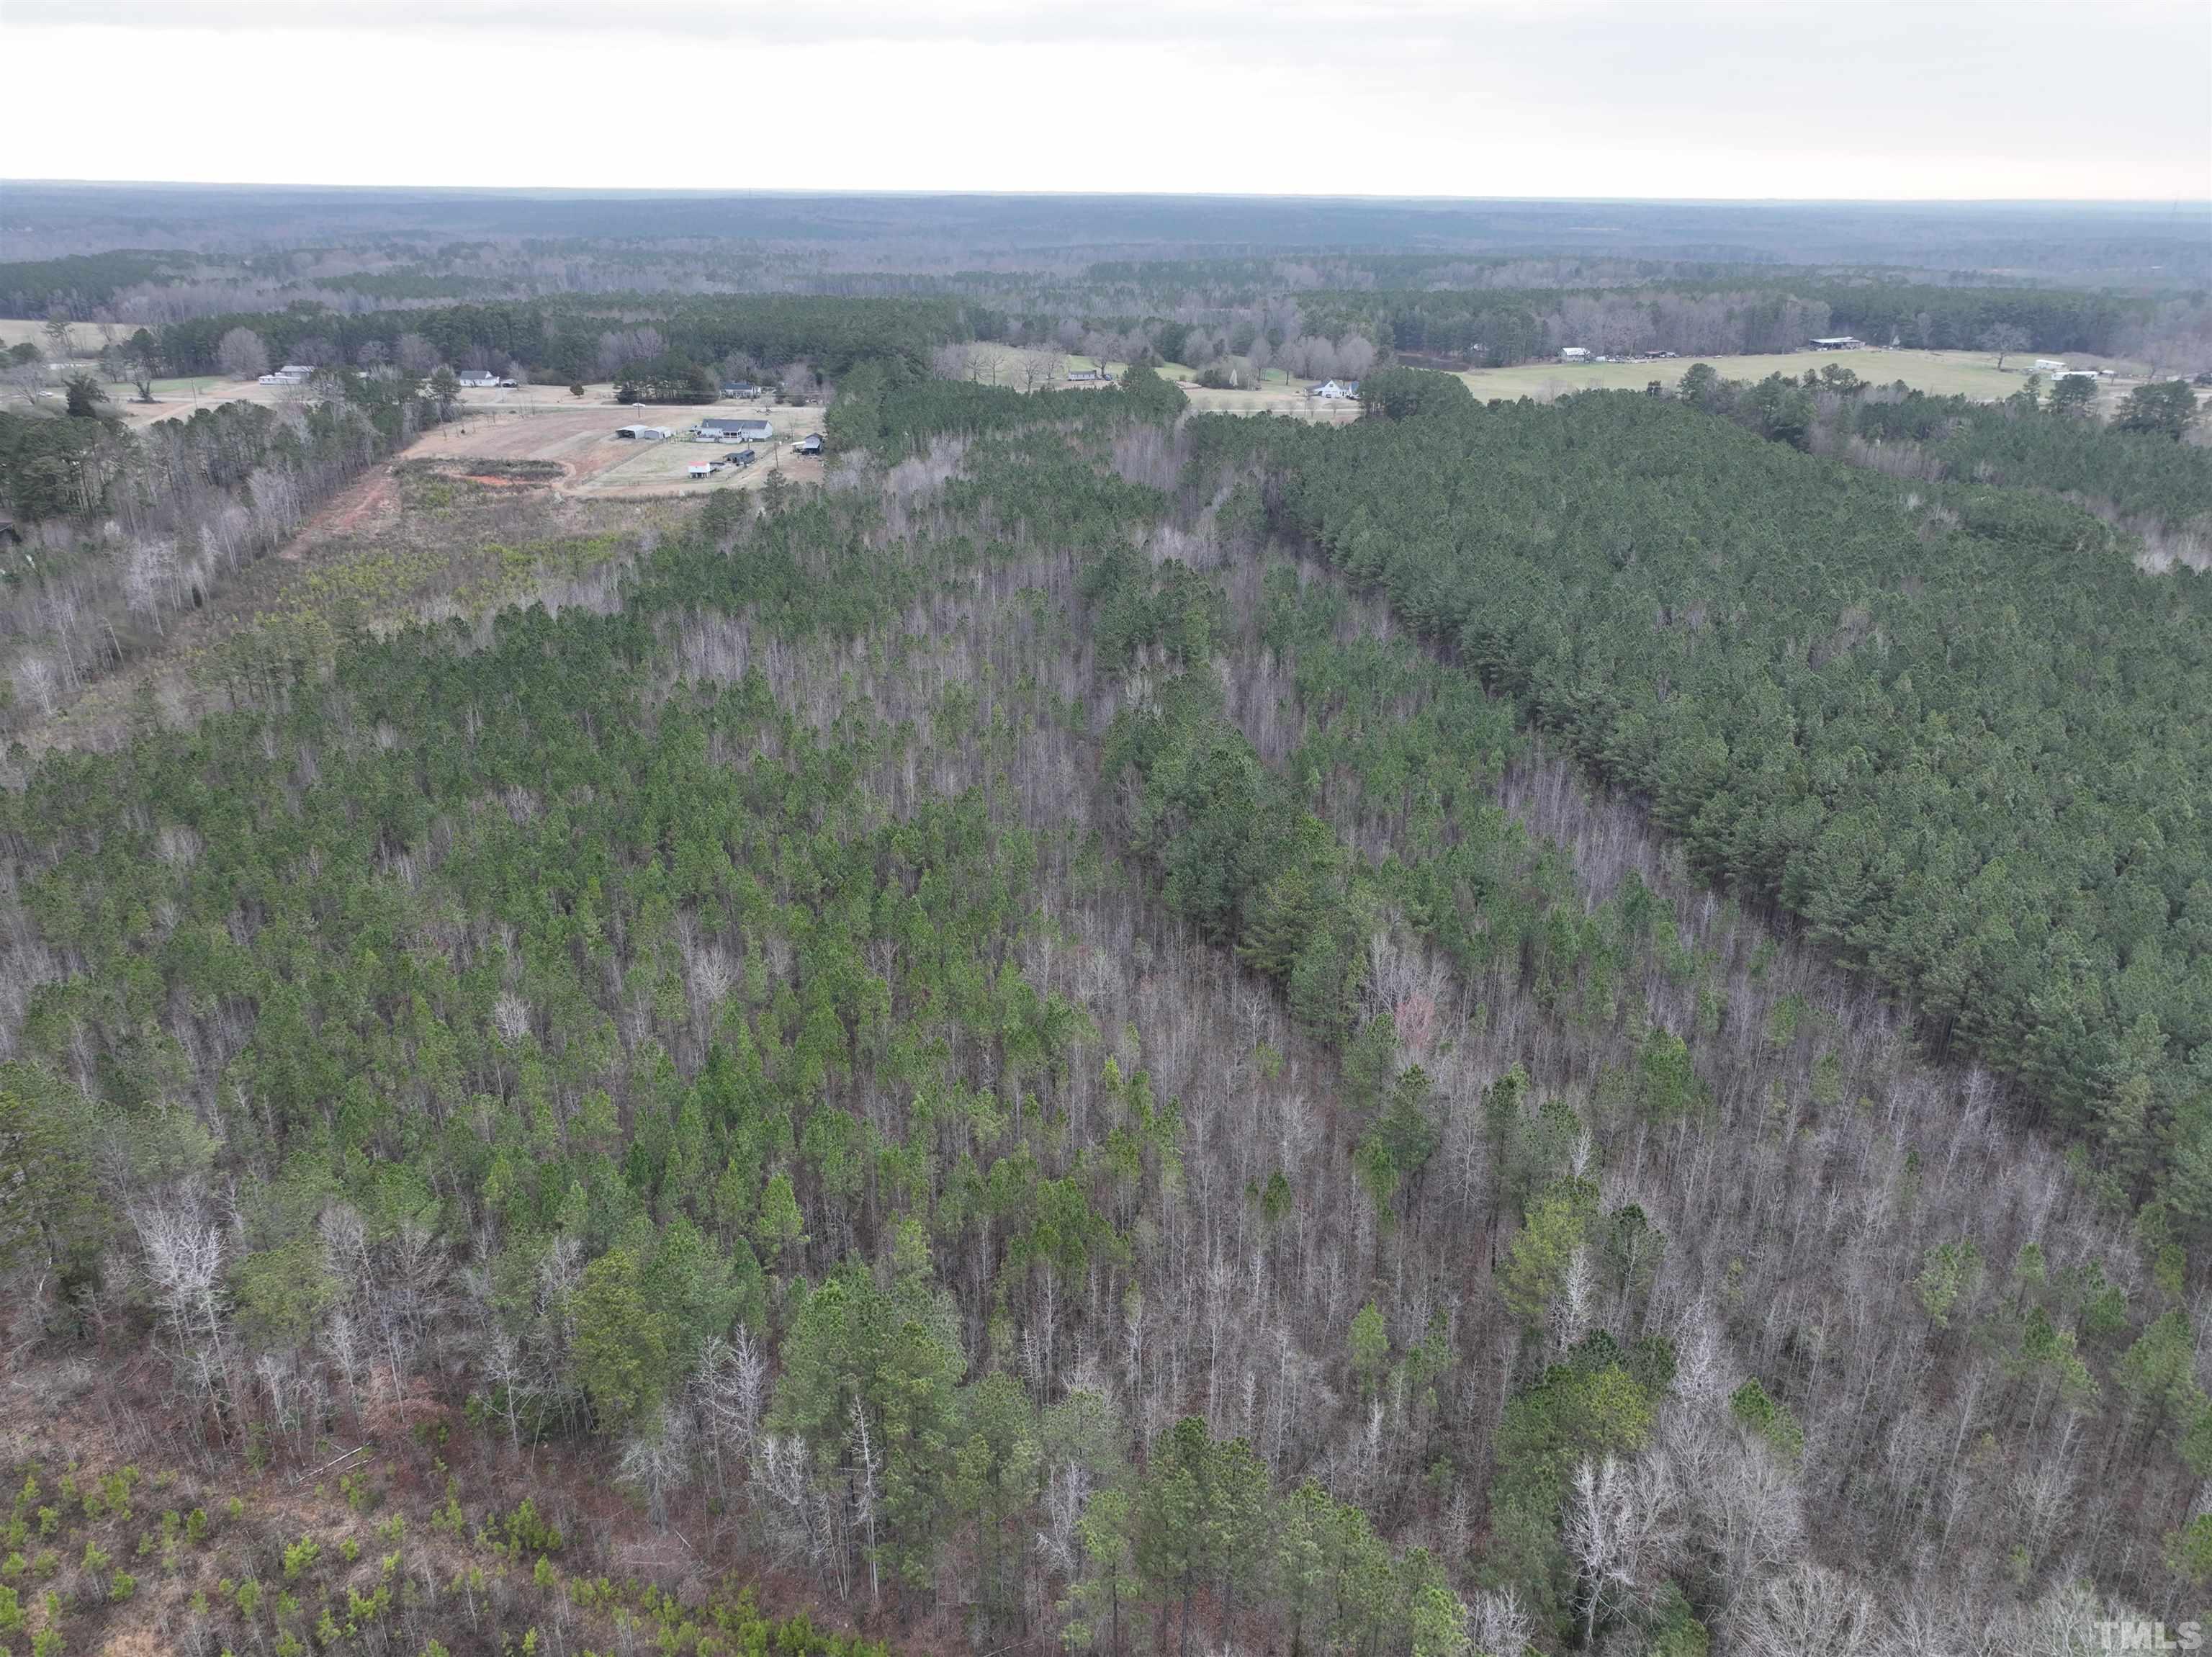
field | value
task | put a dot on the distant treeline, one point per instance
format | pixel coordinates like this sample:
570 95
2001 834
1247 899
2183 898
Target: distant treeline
1501 326
79 284
558 341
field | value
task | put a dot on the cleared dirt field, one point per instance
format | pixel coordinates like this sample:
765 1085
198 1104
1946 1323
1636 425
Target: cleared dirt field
598 465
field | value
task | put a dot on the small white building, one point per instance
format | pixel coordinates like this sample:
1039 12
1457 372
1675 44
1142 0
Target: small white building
643 434
485 380
699 469
292 373
1839 342
1574 354
2047 365
1335 390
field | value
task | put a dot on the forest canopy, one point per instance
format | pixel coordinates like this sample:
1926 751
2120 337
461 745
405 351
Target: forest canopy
1039 1045
1961 737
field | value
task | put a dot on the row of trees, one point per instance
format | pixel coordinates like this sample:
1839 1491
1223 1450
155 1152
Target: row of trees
563 340
1496 326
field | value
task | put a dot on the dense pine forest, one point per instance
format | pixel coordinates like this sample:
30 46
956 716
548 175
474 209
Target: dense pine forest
1958 734
1506 1030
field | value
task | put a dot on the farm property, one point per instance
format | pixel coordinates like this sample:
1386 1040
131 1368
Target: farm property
596 463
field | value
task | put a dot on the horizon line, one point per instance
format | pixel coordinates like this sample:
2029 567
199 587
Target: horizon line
2173 202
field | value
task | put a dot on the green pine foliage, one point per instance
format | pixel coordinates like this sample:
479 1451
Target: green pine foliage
2136 467
1962 737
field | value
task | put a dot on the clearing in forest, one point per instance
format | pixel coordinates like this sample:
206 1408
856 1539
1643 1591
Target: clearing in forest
595 462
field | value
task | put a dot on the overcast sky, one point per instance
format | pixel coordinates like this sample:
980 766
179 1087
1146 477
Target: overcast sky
2035 99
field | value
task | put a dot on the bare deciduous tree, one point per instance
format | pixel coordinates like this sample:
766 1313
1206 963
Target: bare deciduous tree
2004 339
729 1387
1496 1626
656 1459
184 1264
509 1376
1808 1611
867 1472
242 355
415 354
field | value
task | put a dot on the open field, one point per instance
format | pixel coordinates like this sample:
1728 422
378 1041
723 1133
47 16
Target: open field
179 399
84 337
1288 397
176 399
1024 368
1966 374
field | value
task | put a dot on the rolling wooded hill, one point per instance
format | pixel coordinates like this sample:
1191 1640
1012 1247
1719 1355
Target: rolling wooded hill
1050 1046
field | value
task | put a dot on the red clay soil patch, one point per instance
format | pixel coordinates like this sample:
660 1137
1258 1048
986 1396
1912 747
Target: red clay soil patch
374 494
